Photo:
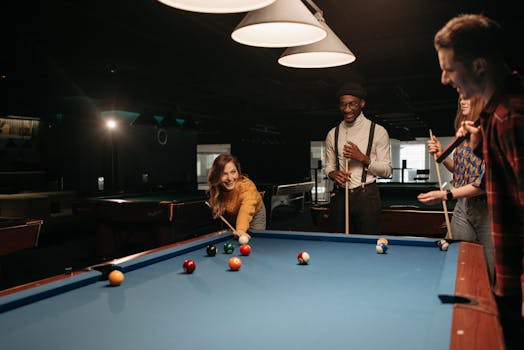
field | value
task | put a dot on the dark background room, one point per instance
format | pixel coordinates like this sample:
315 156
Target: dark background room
173 81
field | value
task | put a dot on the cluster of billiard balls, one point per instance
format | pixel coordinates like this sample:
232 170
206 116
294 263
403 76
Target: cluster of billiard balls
382 245
235 263
443 244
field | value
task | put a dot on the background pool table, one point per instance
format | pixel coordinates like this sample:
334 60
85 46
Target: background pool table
413 297
402 213
130 222
18 233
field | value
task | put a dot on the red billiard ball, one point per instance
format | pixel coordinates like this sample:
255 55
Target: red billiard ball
189 266
245 249
115 277
235 263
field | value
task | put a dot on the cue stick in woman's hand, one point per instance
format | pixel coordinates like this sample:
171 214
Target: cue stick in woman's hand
444 205
347 198
223 219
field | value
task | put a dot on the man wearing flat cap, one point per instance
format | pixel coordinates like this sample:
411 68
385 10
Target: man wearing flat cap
365 146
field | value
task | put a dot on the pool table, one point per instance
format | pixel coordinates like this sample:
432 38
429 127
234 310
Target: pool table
136 221
402 213
18 233
348 296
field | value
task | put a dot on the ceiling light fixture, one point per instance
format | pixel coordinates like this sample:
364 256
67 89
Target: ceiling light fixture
217 6
284 23
145 118
328 52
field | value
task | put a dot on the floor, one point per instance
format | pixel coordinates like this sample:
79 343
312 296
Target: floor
72 246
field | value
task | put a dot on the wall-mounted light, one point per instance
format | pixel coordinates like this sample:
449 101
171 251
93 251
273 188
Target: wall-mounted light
217 6
111 124
145 118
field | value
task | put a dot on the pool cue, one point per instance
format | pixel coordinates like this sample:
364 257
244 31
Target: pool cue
454 144
347 199
444 204
223 219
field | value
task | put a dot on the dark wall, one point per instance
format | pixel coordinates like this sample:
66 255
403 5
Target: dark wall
171 165
80 149
285 162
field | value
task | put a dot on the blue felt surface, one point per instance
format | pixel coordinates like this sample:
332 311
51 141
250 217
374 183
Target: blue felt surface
347 297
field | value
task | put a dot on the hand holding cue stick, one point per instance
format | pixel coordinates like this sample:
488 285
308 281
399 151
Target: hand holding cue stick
347 198
444 205
454 145
223 219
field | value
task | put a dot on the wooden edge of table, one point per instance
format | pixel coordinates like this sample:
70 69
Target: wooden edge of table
476 324
106 264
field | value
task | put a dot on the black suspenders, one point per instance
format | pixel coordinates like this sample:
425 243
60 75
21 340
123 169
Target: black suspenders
368 152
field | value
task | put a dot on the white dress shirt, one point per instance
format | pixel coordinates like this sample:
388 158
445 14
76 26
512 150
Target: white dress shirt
358 133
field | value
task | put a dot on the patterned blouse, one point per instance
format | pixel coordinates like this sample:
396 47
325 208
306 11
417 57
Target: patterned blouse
468 167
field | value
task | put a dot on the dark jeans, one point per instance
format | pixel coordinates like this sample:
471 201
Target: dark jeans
512 321
365 210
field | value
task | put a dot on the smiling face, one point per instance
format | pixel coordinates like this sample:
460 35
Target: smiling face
229 176
465 106
350 107
457 74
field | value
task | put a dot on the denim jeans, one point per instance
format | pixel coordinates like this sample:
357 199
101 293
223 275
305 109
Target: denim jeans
470 222
259 219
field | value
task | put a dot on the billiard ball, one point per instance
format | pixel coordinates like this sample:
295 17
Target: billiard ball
211 250
235 263
443 244
229 248
245 249
189 266
243 239
303 258
115 277
382 240
381 248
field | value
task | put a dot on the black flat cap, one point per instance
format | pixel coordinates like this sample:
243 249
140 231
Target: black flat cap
353 89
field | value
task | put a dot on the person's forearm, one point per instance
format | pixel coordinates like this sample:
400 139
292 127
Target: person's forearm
466 192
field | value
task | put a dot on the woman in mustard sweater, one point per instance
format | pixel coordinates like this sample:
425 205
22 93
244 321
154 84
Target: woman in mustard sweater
234 196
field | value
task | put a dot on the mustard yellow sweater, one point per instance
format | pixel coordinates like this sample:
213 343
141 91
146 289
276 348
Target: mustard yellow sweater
242 203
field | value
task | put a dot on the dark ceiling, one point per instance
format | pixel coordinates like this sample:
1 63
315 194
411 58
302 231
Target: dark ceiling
140 54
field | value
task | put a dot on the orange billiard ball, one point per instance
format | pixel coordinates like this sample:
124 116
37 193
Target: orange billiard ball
235 263
382 240
116 277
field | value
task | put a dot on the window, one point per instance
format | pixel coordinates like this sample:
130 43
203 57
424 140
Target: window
319 193
206 154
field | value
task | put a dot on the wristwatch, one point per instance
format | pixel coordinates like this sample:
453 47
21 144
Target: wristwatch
449 195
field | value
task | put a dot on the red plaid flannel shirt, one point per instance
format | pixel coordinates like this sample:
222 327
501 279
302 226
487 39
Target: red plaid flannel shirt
503 151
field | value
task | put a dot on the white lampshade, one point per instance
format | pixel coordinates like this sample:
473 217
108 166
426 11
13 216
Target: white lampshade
284 23
217 6
329 52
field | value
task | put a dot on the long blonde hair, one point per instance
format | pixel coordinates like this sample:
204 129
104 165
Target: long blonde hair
476 104
215 183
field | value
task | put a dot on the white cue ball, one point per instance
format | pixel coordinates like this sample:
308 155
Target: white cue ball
243 239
